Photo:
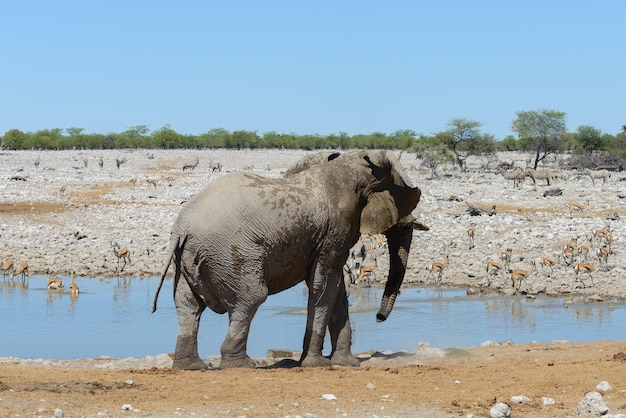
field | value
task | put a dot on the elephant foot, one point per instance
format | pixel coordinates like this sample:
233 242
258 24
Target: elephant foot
344 358
237 362
315 361
190 364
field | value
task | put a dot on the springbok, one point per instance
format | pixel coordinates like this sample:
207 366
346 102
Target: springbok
8 267
584 268
439 267
73 286
121 253
54 283
518 275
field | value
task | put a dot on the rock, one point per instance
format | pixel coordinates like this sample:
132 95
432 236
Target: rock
520 399
329 397
604 386
500 410
592 404
371 386
548 401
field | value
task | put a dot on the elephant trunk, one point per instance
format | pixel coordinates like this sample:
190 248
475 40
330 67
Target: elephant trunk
399 241
386 306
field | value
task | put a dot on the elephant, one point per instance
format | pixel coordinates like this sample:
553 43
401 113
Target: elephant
244 237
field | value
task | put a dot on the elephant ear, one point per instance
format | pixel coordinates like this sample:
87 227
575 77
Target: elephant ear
394 198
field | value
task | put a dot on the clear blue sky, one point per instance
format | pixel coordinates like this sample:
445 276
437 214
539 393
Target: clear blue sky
309 67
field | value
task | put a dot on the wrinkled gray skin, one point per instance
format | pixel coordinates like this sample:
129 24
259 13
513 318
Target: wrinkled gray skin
245 237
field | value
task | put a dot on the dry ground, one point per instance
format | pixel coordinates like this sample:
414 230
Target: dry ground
464 382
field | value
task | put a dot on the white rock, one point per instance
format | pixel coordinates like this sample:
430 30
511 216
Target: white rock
548 401
371 386
604 386
592 404
500 410
126 407
329 397
519 399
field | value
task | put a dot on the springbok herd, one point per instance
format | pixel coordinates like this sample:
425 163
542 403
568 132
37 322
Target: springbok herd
553 231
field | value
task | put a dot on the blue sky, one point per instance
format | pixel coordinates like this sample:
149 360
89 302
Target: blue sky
309 67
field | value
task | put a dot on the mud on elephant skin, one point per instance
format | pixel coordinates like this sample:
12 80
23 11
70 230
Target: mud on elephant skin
244 237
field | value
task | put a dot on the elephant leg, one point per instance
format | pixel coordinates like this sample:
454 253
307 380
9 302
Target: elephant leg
341 333
323 292
234 348
189 309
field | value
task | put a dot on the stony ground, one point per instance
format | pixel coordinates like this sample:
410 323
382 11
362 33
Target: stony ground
61 211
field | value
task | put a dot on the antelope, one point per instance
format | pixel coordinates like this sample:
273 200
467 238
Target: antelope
505 257
547 262
22 269
604 233
584 268
518 275
493 268
583 249
597 174
439 267
8 267
571 246
192 165
381 240
54 283
577 207
470 234
121 253
603 255
73 286
568 255
367 269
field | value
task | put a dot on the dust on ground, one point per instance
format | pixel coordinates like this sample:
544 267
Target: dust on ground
465 381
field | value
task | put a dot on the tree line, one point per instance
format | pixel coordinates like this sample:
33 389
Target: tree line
542 132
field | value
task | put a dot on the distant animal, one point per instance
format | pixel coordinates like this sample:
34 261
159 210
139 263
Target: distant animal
518 275
438 268
54 283
8 267
597 174
121 254
584 268
22 270
74 289
470 235
516 175
546 175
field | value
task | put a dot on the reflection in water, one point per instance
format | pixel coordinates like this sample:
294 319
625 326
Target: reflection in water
112 317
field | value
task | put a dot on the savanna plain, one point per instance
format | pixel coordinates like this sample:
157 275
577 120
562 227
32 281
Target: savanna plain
65 211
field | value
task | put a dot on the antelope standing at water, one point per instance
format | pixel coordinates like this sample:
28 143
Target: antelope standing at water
73 286
439 267
54 283
121 254
22 270
518 275
8 267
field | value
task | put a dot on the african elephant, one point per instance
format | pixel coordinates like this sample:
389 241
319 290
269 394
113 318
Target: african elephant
244 237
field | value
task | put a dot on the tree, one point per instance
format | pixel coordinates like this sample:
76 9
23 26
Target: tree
167 138
462 137
541 130
13 139
589 139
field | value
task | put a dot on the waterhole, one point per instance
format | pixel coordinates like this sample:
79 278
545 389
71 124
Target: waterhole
112 318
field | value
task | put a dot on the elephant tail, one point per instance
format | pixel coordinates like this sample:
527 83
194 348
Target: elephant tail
174 247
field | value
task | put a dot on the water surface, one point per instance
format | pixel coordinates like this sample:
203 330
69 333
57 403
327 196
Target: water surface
112 317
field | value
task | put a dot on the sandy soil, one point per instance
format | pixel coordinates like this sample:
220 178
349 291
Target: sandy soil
464 382
61 211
